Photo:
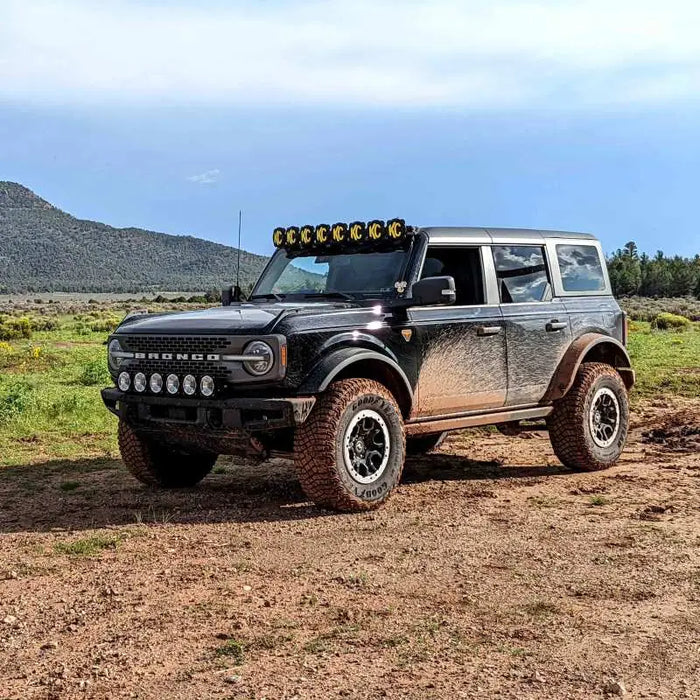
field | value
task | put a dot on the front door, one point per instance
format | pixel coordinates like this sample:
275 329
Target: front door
461 348
537 326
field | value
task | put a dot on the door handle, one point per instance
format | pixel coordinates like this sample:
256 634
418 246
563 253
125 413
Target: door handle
556 325
488 330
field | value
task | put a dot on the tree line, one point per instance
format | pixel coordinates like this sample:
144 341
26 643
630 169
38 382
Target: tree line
635 274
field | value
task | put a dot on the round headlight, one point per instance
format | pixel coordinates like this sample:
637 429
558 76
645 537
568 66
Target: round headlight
156 383
114 349
206 386
172 383
140 382
189 385
267 358
124 381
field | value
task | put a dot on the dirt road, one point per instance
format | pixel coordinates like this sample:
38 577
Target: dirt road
493 572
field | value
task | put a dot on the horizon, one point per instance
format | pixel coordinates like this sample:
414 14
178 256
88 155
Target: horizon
329 111
608 253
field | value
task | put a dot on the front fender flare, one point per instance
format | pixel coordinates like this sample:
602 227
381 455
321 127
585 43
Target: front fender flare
565 374
330 366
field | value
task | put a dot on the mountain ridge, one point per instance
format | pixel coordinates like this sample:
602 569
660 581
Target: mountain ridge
44 249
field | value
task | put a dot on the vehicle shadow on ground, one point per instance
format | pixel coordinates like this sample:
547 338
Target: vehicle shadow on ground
94 493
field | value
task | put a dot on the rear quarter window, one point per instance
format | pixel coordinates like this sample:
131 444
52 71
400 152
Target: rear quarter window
581 268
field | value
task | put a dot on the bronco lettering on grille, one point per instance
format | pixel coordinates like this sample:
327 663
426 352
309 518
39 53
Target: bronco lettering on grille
194 357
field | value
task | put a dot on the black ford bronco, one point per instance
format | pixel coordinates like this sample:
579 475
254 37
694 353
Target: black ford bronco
362 343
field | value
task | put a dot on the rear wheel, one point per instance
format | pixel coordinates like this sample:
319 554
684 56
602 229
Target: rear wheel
349 453
156 465
588 427
420 445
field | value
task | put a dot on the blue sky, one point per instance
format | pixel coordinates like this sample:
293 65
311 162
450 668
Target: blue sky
172 116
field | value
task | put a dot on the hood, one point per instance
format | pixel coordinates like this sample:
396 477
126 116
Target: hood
233 320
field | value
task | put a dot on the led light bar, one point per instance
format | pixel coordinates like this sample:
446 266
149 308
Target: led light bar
339 234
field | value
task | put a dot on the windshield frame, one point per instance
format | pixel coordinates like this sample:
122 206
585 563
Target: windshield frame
369 297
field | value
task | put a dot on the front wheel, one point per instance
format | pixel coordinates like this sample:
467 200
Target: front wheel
154 464
588 427
349 453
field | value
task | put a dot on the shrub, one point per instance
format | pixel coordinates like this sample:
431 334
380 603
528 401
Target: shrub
94 373
14 400
670 322
12 328
105 325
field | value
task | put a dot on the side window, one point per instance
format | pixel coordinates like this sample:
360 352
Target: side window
464 264
522 274
581 268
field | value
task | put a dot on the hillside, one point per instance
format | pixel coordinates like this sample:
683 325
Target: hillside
45 249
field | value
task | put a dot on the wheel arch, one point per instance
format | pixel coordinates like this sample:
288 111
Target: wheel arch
590 347
362 364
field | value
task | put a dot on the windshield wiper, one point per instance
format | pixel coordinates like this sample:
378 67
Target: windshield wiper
328 295
270 295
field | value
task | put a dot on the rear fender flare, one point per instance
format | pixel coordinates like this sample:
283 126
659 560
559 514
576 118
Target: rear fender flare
591 347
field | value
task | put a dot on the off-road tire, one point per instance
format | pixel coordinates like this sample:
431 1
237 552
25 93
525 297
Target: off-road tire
319 452
569 425
422 444
156 465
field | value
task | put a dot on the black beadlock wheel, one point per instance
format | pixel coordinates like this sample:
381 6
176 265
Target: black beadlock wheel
156 465
420 445
349 453
588 428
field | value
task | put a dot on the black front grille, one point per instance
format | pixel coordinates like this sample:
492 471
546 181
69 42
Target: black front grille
197 345
169 343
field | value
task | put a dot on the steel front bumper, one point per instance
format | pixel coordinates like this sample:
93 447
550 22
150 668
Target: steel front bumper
248 414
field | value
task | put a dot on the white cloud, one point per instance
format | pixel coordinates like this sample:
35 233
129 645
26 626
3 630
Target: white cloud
207 178
476 53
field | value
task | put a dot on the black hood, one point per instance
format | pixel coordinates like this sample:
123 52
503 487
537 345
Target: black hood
233 320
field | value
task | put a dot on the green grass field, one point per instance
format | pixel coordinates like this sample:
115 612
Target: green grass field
50 406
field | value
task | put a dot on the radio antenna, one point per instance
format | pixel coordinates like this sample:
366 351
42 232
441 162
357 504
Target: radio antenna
237 289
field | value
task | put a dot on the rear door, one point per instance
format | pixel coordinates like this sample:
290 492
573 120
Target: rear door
537 324
461 348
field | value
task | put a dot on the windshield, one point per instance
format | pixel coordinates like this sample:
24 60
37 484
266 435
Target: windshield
357 275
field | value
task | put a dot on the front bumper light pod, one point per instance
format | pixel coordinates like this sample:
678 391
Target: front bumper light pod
140 382
266 361
156 383
206 385
189 385
124 381
172 383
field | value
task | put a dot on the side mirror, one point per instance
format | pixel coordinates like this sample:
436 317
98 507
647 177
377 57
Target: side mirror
431 291
226 296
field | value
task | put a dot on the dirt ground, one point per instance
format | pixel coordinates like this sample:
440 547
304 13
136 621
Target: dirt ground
493 572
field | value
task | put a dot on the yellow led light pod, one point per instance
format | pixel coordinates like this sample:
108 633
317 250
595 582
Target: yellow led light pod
376 230
358 231
306 235
396 228
292 236
339 233
279 237
323 234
